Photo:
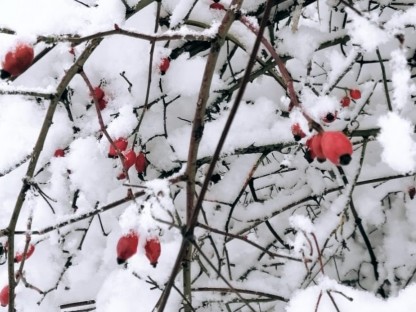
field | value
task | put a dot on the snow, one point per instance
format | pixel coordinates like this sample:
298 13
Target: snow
402 84
78 18
365 31
319 107
399 149
246 124
18 141
301 44
365 301
265 204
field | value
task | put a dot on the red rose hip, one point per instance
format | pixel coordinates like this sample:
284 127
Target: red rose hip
216 6
99 95
17 60
345 101
355 94
59 153
141 163
297 132
127 246
129 159
314 147
4 296
121 144
19 255
336 147
164 65
153 250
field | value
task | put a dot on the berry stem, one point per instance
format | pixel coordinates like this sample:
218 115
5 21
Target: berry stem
287 78
102 126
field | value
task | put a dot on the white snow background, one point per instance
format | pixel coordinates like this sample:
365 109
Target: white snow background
307 205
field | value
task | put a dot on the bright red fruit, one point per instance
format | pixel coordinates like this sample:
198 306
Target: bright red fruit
19 255
314 147
121 144
121 176
129 159
153 250
59 153
355 94
164 65
345 101
141 163
102 104
99 95
127 246
297 132
216 6
336 147
17 60
4 296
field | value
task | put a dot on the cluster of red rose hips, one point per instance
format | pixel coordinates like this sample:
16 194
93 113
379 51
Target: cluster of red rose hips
130 158
21 57
354 94
164 65
127 247
332 145
4 293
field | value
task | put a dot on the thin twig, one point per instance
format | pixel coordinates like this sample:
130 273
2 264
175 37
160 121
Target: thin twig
242 238
383 73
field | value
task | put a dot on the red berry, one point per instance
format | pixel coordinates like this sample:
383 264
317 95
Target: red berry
4 296
355 94
345 101
59 153
315 149
129 159
216 6
18 60
412 192
102 104
153 250
336 147
121 176
127 246
99 96
164 65
19 255
121 144
141 163
98 93
297 132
